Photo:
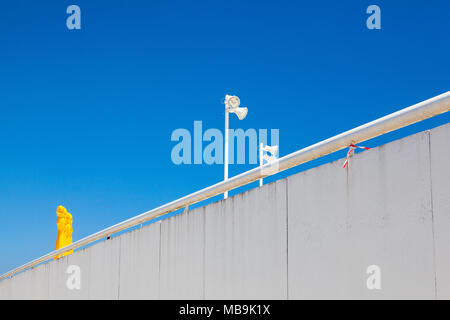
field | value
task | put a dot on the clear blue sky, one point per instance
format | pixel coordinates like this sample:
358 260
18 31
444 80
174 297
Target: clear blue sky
86 115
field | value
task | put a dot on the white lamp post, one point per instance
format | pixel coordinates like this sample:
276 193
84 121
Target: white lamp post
231 105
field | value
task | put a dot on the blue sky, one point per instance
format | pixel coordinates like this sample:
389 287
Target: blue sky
86 115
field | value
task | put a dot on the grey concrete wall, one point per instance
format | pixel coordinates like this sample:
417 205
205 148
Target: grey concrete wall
311 235
376 213
440 177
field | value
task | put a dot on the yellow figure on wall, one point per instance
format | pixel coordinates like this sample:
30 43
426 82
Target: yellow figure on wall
65 230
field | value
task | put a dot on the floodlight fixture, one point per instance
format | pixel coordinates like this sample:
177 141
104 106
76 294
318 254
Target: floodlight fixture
232 104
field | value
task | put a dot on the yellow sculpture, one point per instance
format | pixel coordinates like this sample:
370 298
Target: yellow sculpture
65 230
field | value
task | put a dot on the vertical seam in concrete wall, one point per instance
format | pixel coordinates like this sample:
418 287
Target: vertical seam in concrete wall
48 283
347 195
159 262
118 276
432 215
287 238
204 252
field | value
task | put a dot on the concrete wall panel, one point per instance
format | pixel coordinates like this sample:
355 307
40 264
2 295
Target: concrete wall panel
139 263
319 223
440 176
58 278
375 212
182 255
82 259
391 220
18 288
38 282
245 243
104 269
31 285
5 289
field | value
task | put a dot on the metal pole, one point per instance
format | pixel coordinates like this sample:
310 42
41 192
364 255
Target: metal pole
225 174
421 111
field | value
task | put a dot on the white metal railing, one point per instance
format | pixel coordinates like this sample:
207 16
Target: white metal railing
420 111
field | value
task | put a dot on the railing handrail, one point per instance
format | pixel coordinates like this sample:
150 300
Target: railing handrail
415 113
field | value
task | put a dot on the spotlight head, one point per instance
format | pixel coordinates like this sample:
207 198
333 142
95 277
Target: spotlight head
232 105
240 112
232 102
